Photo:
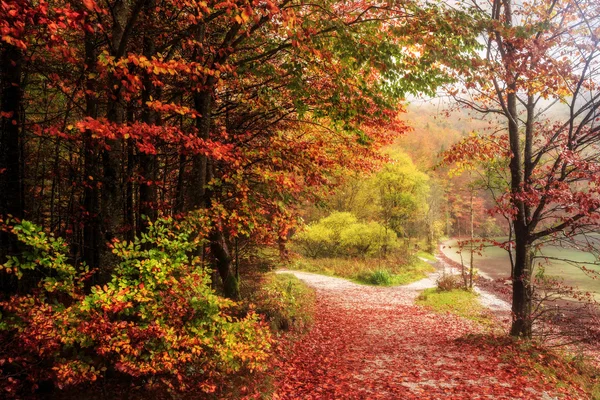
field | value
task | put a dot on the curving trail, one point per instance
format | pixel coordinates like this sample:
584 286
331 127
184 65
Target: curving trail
374 343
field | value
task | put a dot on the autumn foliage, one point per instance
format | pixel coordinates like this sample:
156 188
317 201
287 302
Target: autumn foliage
120 120
245 109
157 318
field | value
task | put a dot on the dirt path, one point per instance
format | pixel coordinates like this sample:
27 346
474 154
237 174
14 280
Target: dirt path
374 343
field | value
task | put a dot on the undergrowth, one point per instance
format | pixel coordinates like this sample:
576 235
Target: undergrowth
285 301
287 305
426 255
380 272
567 372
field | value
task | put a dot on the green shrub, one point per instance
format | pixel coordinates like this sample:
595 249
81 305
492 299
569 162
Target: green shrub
379 277
338 221
367 239
340 234
316 241
446 282
157 318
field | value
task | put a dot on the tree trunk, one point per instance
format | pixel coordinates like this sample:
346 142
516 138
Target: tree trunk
201 198
471 267
521 304
522 290
179 197
199 178
92 236
223 262
130 214
202 170
112 208
147 184
11 196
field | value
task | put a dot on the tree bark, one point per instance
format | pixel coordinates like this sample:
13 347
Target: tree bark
522 289
223 262
112 208
198 198
147 203
92 236
202 198
521 304
11 195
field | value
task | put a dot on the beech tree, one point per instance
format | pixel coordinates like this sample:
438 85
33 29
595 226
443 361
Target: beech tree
126 111
538 75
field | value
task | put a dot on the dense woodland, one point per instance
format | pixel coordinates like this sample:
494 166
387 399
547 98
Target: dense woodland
150 150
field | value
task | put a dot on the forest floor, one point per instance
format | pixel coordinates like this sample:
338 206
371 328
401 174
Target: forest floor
372 342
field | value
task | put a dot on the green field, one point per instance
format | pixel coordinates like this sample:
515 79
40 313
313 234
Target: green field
494 262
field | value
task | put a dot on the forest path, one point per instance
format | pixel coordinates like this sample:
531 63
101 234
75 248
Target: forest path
374 343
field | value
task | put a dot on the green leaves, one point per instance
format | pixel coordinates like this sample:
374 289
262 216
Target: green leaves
342 234
45 253
157 316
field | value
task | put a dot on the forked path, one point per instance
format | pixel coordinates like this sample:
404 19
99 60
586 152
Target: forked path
375 343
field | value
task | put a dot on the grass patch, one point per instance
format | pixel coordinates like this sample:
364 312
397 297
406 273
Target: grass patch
457 301
426 255
380 272
285 301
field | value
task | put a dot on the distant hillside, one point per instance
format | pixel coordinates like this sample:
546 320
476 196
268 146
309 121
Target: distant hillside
434 130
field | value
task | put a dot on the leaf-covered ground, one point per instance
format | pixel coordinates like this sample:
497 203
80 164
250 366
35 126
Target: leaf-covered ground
374 343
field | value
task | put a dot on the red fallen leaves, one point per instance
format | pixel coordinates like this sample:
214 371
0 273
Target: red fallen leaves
372 343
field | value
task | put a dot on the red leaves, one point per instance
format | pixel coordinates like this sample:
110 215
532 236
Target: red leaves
372 343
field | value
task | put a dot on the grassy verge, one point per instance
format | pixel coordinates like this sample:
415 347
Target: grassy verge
285 301
426 255
575 376
288 307
368 271
565 371
457 301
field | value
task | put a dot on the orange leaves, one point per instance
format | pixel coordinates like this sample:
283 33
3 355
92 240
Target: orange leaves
173 109
91 5
474 151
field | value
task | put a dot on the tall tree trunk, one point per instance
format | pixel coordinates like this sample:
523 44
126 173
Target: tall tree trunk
112 208
11 196
202 198
179 201
92 236
224 261
202 171
199 178
147 185
521 303
130 215
471 266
